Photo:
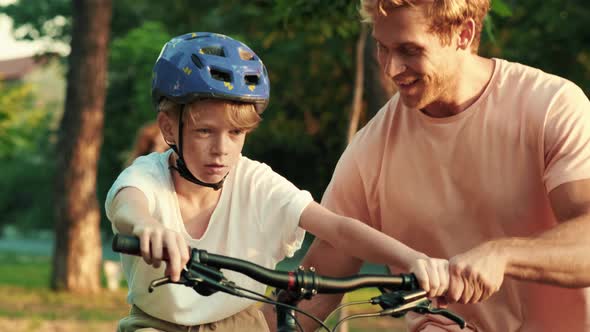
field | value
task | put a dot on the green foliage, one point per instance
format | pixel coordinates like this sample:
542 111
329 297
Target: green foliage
303 129
552 36
128 104
500 8
26 198
26 179
22 123
28 115
39 19
308 48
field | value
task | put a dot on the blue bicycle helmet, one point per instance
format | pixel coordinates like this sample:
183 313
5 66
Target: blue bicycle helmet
203 65
209 65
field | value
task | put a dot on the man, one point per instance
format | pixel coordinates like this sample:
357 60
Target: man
481 161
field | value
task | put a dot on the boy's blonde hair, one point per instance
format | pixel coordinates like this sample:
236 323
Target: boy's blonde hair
239 115
445 15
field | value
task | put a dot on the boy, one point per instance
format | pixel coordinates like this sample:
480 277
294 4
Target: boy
209 91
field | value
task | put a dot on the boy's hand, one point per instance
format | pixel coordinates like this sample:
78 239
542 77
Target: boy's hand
156 242
432 275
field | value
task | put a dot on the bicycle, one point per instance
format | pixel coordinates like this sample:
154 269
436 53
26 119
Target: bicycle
400 293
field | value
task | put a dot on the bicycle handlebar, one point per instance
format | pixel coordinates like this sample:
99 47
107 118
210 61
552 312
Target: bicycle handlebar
204 276
296 280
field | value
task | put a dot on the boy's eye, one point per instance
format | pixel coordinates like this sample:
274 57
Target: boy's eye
204 131
237 131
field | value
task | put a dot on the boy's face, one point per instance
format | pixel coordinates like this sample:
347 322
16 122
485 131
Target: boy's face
211 145
413 57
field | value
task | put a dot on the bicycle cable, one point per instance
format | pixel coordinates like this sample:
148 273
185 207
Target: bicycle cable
296 322
374 314
265 299
340 307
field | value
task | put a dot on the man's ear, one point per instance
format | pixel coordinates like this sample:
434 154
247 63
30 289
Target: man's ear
167 127
466 34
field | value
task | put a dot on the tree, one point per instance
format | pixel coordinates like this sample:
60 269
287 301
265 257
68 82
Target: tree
77 255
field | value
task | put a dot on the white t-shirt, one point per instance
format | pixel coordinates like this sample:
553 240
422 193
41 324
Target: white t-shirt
256 219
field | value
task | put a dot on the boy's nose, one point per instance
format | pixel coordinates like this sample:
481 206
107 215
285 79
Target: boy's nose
221 145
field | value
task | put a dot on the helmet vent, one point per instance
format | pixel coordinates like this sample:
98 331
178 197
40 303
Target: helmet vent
251 79
197 61
213 50
220 75
246 55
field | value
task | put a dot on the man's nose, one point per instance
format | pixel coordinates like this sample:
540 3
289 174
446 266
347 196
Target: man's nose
394 67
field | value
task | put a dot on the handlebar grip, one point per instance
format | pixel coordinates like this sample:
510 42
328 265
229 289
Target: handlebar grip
126 244
411 282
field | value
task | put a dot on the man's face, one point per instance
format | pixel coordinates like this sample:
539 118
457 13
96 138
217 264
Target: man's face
414 58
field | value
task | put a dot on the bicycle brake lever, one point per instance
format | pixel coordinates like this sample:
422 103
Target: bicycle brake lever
395 299
421 309
401 309
166 280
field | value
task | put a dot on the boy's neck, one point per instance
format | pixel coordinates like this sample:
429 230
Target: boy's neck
194 194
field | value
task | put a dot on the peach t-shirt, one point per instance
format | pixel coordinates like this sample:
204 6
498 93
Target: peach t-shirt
445 185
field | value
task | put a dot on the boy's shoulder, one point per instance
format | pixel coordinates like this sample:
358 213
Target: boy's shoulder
247 166
153 165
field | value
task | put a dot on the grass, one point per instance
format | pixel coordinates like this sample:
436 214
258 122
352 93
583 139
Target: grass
24 285
26 271
44 304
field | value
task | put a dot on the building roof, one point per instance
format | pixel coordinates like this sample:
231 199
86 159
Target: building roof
16 69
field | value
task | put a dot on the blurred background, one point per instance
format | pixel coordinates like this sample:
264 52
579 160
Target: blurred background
75 109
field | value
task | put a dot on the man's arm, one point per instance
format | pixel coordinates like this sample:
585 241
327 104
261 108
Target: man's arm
559 256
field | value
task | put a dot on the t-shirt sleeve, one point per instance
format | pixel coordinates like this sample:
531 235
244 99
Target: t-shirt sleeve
345 195
567 138
281 205
139 175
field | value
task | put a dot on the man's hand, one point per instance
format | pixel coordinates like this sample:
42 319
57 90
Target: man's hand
432 275
476 274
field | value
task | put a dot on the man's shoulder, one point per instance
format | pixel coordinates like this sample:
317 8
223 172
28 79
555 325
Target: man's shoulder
376 131
523 78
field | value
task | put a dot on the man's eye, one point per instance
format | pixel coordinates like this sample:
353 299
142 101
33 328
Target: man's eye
410 50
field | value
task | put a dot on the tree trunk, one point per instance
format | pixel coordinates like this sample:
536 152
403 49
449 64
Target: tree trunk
370 81
77 253
357 101
378 88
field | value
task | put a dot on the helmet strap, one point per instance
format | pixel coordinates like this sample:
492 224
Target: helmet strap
181 164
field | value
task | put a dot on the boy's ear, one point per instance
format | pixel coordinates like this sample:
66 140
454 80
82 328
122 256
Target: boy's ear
166 127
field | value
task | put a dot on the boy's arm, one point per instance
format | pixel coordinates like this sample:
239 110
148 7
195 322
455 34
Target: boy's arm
355 238
130 215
